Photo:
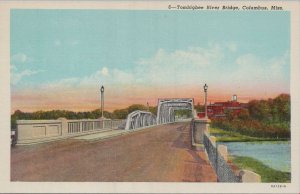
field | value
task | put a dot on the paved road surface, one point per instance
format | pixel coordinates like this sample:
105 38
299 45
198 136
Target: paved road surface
161 153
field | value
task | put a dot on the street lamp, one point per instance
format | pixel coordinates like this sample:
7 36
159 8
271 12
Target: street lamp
102 101
148 106
205 91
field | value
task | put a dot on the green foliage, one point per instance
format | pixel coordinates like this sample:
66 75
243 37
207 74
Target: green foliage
135 107
153 109
231 136
55 114
244 114
264 118
259 109
271 110
120 113
183 113
199 108
267 174
229 114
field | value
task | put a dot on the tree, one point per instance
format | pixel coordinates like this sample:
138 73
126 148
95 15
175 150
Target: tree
153 109
282 105
120 114
199 108
184 113
260 110
229 114
244 114
135 107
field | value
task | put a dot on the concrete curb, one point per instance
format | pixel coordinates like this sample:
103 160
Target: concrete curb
129 131
119 134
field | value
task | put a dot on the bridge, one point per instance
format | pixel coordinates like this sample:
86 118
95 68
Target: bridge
142 148
166 108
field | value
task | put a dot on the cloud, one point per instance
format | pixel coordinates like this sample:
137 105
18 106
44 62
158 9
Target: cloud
277 64
105 76
167 74
232 46
19 58
13 68
192 57
16 77
122 77
62 83
102 76
179 66
252 70
104 71
162 68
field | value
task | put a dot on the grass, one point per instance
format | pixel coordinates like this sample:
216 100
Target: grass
267 174
229 136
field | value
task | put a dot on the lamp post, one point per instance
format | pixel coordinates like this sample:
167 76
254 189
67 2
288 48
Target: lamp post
205 100
148 106
102 101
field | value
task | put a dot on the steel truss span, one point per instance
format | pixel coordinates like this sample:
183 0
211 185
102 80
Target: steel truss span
140 119
166 108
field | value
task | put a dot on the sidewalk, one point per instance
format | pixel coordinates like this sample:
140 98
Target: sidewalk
101 135
109 133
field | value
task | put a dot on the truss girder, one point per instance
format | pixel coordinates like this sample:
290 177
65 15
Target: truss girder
166 108
139 119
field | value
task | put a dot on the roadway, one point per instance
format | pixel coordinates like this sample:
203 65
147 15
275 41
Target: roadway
158 154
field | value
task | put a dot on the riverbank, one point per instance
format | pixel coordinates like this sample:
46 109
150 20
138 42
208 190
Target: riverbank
230 136
267 174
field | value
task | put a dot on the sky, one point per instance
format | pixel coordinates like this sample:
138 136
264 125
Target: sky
61 58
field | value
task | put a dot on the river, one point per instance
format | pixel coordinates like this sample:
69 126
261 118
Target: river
275 154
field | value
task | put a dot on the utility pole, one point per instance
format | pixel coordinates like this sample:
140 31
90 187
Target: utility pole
102 101
205 99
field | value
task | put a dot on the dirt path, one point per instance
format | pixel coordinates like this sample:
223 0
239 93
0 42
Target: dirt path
156 154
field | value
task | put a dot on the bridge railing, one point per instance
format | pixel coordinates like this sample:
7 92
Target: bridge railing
219 163
35 131
218 155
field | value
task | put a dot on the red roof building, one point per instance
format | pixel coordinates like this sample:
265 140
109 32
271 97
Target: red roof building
218 109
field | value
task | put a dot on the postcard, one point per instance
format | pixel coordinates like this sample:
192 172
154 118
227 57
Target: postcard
149 97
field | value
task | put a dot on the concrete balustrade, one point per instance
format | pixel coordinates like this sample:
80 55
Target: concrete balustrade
218 154
213 139
37 131
248 176
222 149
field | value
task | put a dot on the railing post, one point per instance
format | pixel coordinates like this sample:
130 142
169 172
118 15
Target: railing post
101 120
200 127
81 126
223 151
64 126
248 176
213 139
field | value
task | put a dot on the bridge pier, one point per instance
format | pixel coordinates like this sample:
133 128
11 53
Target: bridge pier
200 126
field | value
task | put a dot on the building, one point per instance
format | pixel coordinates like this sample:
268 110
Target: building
218 109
